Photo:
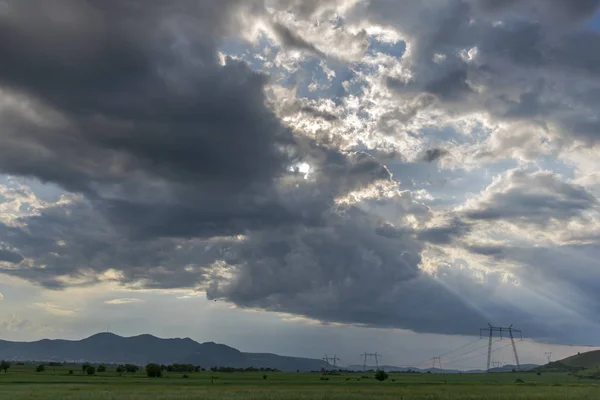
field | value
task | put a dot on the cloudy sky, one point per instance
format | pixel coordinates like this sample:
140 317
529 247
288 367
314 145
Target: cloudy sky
302 176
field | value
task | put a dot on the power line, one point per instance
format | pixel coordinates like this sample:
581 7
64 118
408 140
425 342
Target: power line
460 348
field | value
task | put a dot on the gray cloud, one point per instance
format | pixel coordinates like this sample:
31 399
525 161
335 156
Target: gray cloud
432 155
294 41
534 198
188 180
10 256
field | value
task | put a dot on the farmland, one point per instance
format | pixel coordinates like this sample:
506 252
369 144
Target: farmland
22 382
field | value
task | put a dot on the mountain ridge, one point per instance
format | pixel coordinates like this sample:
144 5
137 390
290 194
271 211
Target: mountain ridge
142 349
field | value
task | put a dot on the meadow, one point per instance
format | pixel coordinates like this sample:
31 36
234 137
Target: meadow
22 382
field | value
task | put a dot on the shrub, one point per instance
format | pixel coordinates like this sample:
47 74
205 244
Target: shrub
520 381
40 368
90 370
381 375
70 372
185 376
264 376
539 373
153 370
323 378
4 365
101 368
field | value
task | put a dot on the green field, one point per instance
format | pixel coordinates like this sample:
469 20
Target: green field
22 383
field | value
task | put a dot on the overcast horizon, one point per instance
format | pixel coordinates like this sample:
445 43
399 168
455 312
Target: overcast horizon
303 177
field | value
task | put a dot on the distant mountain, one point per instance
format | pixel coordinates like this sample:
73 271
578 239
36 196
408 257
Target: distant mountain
509 368
143 349
391 368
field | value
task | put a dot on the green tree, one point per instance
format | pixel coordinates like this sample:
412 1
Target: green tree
153 370
84 367
101 368
121 369
381 375
4 365
90 370
40 368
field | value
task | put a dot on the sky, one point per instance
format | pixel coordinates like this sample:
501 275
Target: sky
303 177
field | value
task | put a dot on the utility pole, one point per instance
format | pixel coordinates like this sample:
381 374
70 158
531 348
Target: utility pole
501 329
548 355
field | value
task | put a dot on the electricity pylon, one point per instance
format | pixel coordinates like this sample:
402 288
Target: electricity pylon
502 329
548 355
365 354
496 364
326 359
335 359
371 355
376 355
437 361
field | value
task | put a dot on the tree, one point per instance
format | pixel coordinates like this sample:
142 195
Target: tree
381 375
4 365
90 370
101 368
40 368
121 369
153 370
131 368
84 367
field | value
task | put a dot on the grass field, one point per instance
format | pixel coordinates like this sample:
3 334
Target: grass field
21 383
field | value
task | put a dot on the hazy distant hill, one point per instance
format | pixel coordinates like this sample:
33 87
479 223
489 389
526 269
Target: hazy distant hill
110 348
391 368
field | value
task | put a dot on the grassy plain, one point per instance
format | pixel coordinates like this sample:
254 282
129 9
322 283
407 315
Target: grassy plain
23 383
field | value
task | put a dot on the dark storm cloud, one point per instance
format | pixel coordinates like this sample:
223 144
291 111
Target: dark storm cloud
534 198
432 155
148 118
346 273
293 40
10 256
558 10
445 234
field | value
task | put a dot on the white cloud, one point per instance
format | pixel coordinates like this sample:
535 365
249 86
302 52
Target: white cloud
53 309
127 300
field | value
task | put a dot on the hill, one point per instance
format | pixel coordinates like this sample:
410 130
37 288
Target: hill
578 362
590 359
143 349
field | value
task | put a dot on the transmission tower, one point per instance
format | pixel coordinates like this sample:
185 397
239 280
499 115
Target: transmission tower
335 359
326 359
496 364
501 330
376 356
548 355
437 361
371 355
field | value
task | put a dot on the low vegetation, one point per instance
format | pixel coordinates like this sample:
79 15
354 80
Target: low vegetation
22 383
